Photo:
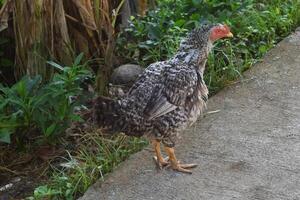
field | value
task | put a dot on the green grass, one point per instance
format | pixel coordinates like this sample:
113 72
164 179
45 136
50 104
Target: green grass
257 25
95 157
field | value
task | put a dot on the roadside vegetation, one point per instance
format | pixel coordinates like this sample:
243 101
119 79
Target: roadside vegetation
36 111
257 26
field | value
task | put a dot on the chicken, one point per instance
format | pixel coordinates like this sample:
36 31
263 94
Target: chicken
167 97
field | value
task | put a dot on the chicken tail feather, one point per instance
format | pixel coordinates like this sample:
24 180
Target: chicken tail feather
106 114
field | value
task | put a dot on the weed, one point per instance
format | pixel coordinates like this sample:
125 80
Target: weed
96 156
257 25
32 107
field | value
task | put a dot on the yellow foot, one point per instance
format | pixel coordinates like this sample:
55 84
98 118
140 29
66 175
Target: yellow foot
161 162
183 167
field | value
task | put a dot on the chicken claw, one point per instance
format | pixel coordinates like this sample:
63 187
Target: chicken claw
161 163
176 165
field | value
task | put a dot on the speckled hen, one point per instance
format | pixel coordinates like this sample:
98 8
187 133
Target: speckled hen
168 97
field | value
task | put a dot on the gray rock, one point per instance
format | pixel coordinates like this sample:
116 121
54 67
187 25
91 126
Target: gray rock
126 74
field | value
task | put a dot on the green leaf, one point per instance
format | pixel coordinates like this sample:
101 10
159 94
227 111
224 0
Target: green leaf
45 191
32 83
38 100
4 62
78 59
57 66
19 102
263 49
3 103
50 130
21 88
180 22
154 32
197 2
76 118
5 135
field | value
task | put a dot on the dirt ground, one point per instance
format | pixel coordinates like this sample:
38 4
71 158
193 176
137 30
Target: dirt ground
21 172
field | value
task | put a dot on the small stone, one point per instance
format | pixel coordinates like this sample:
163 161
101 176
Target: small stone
16 179
126 74
6 187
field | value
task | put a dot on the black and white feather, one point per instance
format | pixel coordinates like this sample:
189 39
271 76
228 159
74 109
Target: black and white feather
167 97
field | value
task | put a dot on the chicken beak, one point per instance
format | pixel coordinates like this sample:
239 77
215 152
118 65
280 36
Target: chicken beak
229 34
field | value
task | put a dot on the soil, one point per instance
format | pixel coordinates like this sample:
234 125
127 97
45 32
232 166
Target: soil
21 172
23 168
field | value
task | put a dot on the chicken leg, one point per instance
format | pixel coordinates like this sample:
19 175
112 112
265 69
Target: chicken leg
175 163
160 161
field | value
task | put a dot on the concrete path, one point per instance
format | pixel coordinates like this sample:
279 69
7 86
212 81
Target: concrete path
248 150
